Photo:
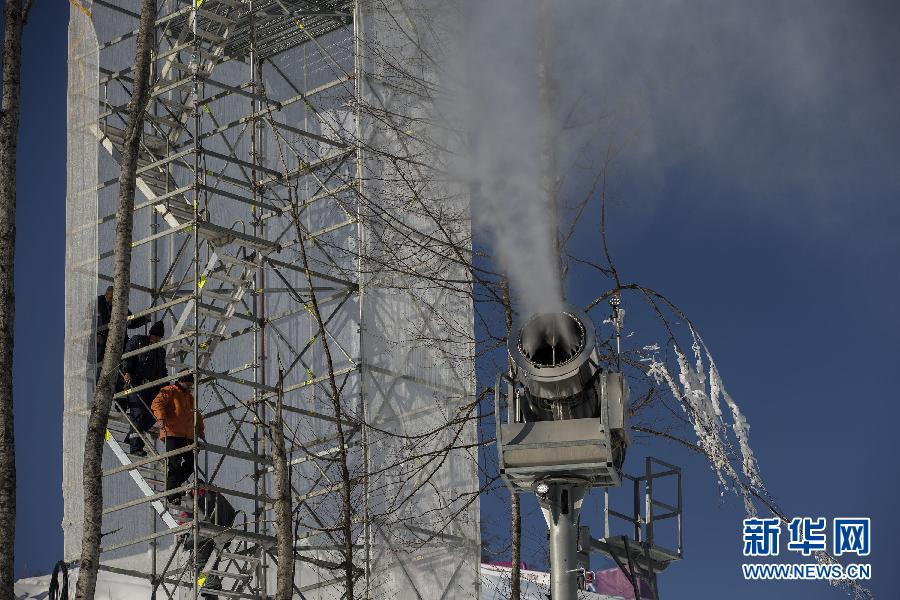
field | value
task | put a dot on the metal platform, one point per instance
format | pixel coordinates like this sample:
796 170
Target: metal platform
639 555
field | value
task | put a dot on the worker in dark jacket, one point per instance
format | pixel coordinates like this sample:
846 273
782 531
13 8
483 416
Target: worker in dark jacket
104 314
141 368
173 408
213 508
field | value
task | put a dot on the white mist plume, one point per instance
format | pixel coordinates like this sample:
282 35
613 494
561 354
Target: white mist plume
502 115
664 84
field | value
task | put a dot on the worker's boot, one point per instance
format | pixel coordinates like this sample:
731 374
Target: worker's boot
211 583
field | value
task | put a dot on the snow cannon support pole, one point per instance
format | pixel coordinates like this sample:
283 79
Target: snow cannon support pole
561 505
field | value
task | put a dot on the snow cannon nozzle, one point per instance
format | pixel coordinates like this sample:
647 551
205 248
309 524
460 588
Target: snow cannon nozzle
556 358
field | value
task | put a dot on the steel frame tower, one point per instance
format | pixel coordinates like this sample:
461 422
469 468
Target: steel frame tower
278 128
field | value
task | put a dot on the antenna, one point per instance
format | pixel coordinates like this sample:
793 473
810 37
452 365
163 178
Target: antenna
618 321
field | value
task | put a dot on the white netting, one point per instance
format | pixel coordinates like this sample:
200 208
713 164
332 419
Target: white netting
81 265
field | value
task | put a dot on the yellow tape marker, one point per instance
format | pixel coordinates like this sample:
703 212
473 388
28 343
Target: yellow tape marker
201 580
108 435
80 7
202 282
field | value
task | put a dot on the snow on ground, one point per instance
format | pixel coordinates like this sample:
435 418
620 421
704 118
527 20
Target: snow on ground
110 586
495 583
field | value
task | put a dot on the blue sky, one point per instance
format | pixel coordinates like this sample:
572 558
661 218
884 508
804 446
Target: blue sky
758 189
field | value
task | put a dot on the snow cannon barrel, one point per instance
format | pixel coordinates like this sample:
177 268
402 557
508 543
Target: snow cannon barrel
556 361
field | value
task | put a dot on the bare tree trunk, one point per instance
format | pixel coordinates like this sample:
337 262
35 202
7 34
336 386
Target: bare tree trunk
97 423
283 510
515 590
346 482
15 17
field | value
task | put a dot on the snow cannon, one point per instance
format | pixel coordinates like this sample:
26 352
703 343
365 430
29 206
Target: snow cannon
565 413
564 431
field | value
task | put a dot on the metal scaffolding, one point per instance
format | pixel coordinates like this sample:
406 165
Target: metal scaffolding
274 124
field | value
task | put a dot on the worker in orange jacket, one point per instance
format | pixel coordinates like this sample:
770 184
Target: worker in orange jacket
173 408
